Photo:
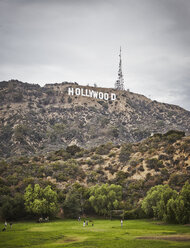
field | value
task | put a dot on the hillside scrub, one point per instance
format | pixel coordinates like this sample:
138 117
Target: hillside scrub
135 169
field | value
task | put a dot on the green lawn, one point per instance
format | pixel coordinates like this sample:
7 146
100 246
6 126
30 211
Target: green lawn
104 233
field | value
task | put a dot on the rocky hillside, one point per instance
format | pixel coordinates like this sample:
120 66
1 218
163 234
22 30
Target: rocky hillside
36 119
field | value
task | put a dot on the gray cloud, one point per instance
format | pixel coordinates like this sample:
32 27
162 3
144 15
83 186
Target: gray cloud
43 41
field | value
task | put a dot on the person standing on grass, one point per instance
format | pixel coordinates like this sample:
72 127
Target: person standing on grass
121 223
84 223
11 224
5 224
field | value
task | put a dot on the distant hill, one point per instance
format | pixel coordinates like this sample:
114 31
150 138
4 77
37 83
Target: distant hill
36 119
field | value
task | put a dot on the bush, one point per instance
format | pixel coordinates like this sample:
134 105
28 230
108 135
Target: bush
155 164
173 135
125 153
112 154
133 163
121 176
20 132
104 149
12 207
114 131
73 149
69 99
177 179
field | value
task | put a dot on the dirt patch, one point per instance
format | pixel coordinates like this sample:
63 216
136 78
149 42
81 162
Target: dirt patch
168 237
68 240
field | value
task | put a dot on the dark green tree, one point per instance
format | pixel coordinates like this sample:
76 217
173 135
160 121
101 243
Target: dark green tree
75 201
12 207
180 208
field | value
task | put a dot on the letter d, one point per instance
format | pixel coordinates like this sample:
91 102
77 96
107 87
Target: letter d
113 96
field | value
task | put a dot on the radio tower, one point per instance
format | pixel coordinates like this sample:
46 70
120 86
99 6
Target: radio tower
119 84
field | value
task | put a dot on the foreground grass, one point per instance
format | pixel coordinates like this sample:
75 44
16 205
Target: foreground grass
104 233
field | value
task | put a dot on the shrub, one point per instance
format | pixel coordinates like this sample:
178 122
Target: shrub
90 162
141 168
155 164
73 149
20 132
177 179
112 154
125 153
173 135
95 157
133 163
114 131
69 99
104 149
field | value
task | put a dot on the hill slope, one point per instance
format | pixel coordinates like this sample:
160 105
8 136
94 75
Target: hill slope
161 159
39 119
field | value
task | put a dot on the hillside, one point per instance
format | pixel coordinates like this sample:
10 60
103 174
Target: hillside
161 159
36 119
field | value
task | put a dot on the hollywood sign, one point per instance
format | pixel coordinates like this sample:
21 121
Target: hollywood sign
91 93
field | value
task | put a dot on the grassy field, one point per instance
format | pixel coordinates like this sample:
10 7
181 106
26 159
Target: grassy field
104 233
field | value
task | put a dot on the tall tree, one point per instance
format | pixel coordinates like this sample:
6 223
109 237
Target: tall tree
105 198
155 202
181 206
75 200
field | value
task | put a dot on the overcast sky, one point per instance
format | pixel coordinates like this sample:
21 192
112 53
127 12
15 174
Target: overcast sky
49 41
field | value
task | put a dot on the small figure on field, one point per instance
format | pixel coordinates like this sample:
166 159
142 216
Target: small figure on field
47 218
87 223
79 218
11 224
40 220
5 224
121 223
84 223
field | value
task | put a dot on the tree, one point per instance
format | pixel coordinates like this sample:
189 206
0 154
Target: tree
166 204
155 202
12 207
105 198
180 208
75 201
166 195
40 201
185 196
171 215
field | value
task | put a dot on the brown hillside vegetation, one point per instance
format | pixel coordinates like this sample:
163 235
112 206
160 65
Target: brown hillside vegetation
161 159
36 119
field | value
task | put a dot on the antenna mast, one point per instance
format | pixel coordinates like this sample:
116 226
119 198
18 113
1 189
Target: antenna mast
119 84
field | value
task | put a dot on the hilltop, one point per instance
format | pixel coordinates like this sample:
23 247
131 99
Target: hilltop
36 119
